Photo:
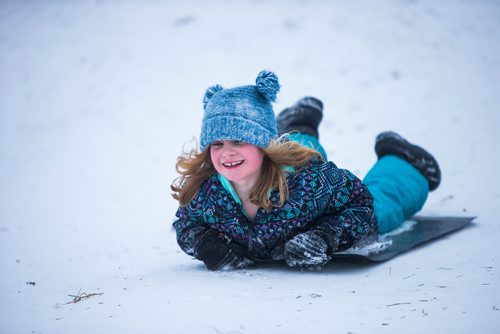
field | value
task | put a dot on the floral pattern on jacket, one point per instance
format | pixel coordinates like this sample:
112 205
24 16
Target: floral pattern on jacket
319 193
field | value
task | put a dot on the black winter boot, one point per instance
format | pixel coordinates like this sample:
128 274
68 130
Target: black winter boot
391 143
304 116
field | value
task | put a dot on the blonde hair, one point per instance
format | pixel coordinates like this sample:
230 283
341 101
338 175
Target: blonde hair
195 167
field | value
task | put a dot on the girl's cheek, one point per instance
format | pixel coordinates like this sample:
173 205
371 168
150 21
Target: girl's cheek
213 153
214 156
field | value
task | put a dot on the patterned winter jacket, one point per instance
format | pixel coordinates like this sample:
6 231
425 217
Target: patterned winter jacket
319 192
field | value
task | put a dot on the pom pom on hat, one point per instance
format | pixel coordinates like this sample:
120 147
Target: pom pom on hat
211 91
268 85
242 113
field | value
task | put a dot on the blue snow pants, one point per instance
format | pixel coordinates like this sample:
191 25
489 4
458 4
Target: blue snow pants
398 189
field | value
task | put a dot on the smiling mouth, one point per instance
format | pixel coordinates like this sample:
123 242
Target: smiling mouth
232 163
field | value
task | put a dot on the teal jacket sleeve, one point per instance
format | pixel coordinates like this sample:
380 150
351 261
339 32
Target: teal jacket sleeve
349 218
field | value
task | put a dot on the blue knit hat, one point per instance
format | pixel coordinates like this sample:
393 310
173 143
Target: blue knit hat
242 113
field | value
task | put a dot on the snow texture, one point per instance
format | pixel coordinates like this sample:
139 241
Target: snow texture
98 98
382 243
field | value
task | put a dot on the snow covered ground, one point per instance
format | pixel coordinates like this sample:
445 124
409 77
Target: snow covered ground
97 99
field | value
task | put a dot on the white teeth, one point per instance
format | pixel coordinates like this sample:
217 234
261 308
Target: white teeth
231 164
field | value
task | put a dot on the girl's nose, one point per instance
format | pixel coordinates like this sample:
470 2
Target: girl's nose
228 150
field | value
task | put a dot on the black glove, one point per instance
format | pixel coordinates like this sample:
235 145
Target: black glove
307 249
278 253
219 254
312 248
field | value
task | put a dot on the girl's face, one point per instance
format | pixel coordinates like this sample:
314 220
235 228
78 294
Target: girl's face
239 162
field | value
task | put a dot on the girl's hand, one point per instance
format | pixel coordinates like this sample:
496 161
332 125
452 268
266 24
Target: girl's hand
219 255
308 249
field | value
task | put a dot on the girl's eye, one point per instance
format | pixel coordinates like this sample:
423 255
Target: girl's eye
217 144
236 142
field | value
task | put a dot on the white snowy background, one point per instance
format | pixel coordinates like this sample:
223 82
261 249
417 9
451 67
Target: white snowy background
98 98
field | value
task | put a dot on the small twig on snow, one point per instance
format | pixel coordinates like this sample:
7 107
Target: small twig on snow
397 304
83 295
